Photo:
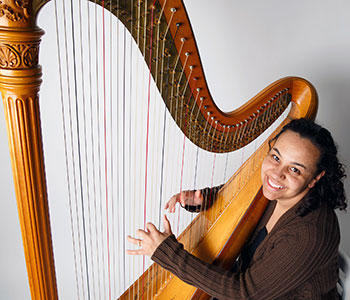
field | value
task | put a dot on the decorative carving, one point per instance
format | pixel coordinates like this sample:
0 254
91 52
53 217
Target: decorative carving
9 58
12 13
19 56
24 5
30 56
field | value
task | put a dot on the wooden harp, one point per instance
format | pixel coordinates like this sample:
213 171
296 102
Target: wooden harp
229 221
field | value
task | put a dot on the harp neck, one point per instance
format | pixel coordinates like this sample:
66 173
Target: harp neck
164 36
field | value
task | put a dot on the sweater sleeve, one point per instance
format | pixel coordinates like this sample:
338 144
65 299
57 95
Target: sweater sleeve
209 197
290 261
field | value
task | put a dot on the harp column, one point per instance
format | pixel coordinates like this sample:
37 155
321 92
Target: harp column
20 80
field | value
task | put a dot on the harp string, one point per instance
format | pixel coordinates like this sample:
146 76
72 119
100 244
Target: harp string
147 128
214 161
139 196
100 235
130 126
158 128
138 19
105 148
146 202
120 146
123 112
112 193
91 270
95 257
219 208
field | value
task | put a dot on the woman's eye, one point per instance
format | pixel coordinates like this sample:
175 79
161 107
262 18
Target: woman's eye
275 157
295 170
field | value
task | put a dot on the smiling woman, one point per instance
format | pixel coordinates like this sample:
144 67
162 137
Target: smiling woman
288 171
317 144
293 252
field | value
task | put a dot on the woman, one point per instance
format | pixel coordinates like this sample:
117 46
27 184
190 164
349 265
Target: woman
293 251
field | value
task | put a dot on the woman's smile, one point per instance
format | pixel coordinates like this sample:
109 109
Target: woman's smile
273 185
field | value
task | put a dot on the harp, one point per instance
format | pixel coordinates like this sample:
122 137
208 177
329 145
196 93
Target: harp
20 80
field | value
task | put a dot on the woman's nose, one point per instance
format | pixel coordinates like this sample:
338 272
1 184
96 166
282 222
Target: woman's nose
279 172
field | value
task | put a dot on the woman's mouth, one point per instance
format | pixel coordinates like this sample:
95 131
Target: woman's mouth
274 185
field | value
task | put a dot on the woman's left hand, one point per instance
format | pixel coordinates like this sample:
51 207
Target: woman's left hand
149 239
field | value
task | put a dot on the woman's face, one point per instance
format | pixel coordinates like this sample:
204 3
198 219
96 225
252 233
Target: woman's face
288 171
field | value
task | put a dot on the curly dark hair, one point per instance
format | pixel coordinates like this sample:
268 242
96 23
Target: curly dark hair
330 187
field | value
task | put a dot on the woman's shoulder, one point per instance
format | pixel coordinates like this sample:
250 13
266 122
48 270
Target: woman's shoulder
322 219
319 228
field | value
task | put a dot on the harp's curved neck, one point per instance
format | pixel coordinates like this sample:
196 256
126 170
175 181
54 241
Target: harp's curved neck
171 52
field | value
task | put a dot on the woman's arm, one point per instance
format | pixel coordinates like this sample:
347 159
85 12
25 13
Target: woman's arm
287 264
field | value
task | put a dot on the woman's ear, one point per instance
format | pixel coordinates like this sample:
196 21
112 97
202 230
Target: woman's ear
316 179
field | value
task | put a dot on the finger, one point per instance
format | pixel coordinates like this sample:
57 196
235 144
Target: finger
172 208
198 197
167 226
182 198
135 252
170 205
141 233
133 240
166 206
151 228
173 204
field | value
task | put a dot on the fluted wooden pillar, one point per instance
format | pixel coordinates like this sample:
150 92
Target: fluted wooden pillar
20 79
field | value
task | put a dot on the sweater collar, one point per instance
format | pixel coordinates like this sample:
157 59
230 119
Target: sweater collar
289 215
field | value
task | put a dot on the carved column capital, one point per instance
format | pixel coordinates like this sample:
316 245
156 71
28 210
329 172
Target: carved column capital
20 13
19 57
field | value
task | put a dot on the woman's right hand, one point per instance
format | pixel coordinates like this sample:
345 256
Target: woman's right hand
184 198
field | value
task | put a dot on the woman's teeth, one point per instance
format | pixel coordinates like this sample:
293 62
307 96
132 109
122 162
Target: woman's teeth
276 186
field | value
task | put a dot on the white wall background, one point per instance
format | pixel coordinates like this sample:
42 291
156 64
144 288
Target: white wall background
244 46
